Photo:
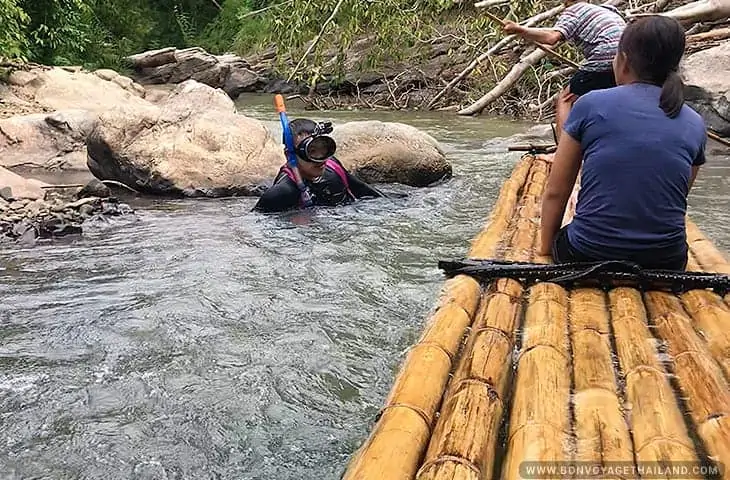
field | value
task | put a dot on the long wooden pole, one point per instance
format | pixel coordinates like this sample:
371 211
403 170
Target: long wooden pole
538 45
718 138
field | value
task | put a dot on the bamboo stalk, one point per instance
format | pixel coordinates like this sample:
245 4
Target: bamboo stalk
468 427
487 241
700 378
657 427
316 39
707 255
601 431
712 318
539 423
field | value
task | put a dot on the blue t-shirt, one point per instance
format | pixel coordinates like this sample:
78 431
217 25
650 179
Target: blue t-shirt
636 169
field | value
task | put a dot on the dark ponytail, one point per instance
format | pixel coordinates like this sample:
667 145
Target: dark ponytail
672 97
654 47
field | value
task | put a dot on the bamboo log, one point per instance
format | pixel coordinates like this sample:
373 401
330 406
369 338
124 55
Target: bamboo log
712 317
389 451
601 431
701 380
539 427
467 430
707 255
657 427
487 241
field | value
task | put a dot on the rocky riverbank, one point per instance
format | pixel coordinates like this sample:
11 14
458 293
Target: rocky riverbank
706 71
59 212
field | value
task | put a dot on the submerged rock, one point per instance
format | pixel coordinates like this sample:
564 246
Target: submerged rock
195 144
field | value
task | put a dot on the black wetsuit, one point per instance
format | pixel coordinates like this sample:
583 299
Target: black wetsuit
327 190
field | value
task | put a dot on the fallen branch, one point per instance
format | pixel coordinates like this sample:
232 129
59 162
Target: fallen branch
560 72
316 39
506 83
490 3
493 50
701 10
718 138
719 34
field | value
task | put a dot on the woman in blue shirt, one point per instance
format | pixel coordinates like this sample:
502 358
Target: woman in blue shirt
640 148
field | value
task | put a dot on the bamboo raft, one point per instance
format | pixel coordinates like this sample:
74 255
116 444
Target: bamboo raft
507 374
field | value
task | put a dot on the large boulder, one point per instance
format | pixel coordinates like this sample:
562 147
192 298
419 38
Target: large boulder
170 65
706 75
195 144
387 152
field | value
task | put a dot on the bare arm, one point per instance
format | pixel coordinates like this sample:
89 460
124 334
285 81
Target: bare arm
560 183
693 176
545 36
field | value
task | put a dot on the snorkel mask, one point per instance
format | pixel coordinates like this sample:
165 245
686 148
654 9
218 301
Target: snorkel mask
318 146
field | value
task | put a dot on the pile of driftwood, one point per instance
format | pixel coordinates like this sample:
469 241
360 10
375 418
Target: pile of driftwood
707 23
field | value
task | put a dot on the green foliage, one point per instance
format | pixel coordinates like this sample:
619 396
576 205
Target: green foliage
392 26
12 39
100 33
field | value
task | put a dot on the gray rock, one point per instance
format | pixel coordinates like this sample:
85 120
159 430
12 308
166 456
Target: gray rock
169 65
94 188
6 193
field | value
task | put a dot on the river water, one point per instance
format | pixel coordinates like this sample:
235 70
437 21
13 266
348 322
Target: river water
204 341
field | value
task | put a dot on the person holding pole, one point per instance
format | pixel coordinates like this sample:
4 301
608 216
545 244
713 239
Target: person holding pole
596 30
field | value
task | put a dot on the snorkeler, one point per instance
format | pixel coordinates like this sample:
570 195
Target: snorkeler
327 181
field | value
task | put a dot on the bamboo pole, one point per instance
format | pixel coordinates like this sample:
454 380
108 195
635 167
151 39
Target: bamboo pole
542 47
397 443
712 317
657 426
466 433
486 243
600 427
539 425
700 378
539 422
718 34
707 255
718 138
